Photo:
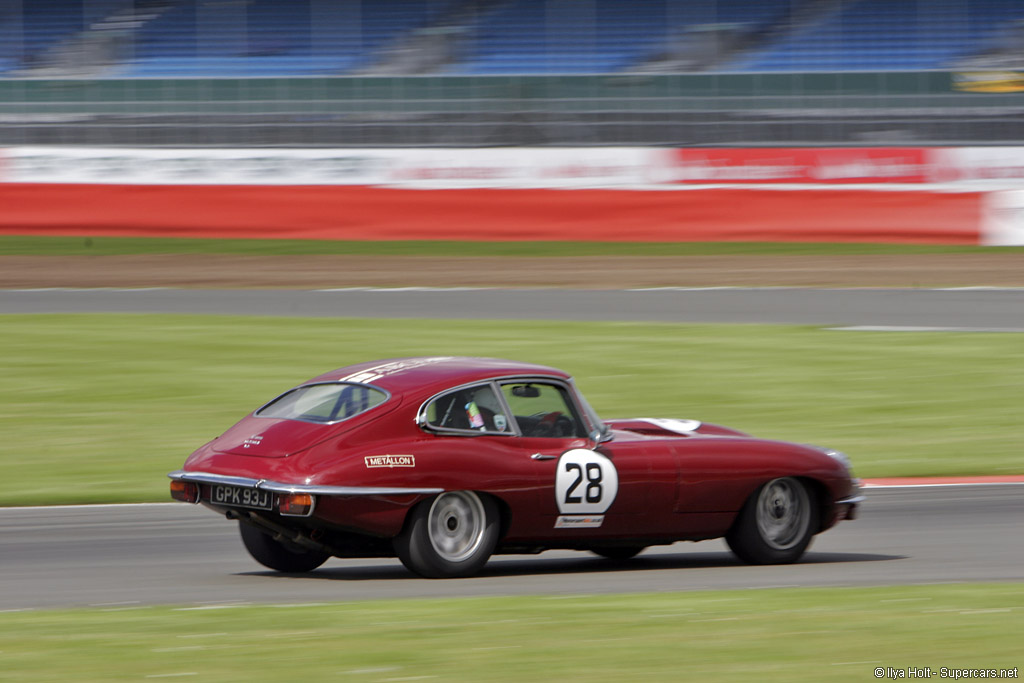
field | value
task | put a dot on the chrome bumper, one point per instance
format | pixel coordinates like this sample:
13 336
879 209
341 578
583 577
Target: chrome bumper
848 506
312 489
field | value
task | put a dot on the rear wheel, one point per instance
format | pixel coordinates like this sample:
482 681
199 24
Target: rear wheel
450 536
279 555
776 524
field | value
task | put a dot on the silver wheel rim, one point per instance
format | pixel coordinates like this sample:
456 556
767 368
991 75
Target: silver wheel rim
783 513
456 525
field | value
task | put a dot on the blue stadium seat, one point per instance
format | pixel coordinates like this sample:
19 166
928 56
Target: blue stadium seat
272 37
27 36
321 37
886 35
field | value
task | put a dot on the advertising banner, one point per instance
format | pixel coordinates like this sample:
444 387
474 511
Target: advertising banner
802 165
520 167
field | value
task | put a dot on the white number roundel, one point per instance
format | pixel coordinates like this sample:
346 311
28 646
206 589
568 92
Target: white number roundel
586 483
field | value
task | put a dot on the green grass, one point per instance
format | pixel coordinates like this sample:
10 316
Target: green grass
779 635
73 246
98 408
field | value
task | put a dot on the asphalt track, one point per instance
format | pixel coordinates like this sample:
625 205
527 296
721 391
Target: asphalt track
956 309
120 556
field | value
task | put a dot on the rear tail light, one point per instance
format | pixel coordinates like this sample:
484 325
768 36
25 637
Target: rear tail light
296 504
185 491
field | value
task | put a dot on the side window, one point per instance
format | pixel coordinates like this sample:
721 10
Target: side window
475 409
543 410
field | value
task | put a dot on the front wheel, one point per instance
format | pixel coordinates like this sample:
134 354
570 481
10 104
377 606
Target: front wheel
274 554
776 524
452 535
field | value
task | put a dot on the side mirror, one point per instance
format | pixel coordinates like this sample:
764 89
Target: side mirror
600 436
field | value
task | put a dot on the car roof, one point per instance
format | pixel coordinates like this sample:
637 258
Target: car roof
434 373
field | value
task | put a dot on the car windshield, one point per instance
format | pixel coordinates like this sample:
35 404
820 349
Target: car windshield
595 421
324 403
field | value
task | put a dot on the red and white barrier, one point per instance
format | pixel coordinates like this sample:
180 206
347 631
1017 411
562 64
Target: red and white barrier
371 213
908 195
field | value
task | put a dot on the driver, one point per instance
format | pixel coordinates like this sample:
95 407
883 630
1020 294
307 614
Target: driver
484 411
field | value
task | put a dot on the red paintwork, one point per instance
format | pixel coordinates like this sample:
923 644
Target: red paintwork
672 486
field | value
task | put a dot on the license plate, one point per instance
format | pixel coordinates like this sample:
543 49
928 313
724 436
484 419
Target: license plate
239 496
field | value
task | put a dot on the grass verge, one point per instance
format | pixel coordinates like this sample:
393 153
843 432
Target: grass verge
777 634
98 408
18 245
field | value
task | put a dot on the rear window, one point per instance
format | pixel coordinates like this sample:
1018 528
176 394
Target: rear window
324 403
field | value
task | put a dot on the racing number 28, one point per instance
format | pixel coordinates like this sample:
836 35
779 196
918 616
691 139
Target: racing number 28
593 490
586 483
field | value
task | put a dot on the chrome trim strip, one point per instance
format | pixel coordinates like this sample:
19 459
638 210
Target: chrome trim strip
312 489
421 413
852 500
496 383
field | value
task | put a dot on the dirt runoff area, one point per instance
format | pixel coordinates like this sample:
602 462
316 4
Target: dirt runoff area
982 269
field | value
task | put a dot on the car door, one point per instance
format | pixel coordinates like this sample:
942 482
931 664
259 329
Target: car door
600 490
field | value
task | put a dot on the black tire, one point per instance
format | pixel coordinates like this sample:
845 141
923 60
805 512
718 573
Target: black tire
619 554
449 536
273 554
776 524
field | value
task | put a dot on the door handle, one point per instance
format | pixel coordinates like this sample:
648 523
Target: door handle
543 456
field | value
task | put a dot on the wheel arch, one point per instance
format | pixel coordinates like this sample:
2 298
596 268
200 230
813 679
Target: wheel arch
821 499
504 510
450 535
815 488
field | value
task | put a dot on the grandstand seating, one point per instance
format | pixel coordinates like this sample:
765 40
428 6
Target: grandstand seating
893 35
600 36
36 27
318 37
273 38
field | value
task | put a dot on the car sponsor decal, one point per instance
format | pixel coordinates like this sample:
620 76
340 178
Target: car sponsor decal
254 440
579 521
390 461
371 374
586 483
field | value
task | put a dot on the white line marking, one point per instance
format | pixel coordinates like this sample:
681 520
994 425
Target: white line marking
92 289
910 328
691 289
978 288
97 506
201 608
926 486
400 289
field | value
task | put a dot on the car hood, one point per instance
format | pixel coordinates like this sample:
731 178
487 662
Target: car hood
272 438
661 427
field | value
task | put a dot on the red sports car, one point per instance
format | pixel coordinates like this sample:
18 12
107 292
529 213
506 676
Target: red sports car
444 461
